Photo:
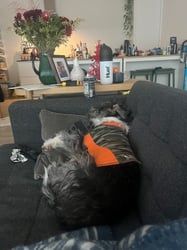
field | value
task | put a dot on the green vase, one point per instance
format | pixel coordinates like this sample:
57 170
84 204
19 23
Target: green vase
44 72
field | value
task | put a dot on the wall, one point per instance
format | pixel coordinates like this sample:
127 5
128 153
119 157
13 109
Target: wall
11 40
174 21
147 21
102 20
154 21
49 5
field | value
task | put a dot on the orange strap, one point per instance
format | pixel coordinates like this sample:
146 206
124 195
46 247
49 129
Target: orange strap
112 123
103 156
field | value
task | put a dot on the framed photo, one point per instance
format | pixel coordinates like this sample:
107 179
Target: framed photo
59 66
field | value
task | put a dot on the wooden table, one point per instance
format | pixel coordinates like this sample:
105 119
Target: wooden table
39 90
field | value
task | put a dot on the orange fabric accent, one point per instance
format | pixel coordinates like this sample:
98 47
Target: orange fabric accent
112 123
103 156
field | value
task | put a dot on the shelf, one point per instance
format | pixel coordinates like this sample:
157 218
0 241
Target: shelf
151 58
39 89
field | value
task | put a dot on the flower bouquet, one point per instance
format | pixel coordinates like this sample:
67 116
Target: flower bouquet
45 30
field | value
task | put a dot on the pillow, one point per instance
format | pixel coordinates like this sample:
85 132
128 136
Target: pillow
52 122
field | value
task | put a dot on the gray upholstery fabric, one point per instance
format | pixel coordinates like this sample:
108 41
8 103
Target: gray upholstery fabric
24 216
53 122
159 136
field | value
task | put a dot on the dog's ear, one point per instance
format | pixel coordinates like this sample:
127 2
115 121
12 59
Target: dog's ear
123 112
42 161
119 111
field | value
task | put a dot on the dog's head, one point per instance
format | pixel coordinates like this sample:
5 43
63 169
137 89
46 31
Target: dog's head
108 109
109 112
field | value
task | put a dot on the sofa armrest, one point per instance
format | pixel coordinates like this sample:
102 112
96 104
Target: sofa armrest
24 115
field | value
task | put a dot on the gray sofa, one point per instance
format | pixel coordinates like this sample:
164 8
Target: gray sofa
158 136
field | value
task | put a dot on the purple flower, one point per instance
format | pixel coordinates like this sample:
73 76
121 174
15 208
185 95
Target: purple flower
32 14
46 15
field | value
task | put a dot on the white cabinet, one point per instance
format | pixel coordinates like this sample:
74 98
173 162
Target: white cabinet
28 76
145 62
26 73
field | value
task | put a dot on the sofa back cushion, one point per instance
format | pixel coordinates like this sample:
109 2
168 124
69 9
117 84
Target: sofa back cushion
25 121
159 137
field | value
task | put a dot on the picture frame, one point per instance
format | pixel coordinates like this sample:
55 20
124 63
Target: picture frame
60 68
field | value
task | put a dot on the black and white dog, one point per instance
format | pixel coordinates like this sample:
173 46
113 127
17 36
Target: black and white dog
96 185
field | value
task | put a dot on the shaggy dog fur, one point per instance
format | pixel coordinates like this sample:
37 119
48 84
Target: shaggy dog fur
81 193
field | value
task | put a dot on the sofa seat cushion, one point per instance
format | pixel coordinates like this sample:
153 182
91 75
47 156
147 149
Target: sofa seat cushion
24 216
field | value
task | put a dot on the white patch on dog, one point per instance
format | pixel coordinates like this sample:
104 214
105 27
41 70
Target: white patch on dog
100 120
62 140
53 143
45 177
44 187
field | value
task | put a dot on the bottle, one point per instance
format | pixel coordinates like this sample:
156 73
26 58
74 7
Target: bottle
136 51
106 73
133 50
85 51
126 47
89 86
77 74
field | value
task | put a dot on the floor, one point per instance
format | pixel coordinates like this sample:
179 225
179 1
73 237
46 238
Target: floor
6 135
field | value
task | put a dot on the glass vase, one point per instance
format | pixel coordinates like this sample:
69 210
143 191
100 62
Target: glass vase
45 72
